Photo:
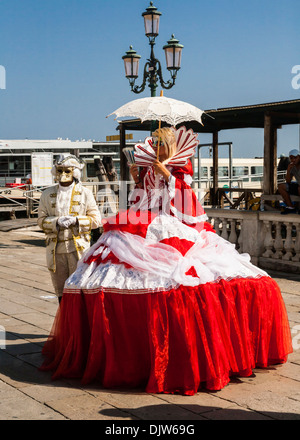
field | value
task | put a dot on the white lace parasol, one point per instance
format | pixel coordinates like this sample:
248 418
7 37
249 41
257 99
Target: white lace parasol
169 110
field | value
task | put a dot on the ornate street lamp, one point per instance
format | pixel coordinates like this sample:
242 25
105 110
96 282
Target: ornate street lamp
131 63
173 54
152 69
151 21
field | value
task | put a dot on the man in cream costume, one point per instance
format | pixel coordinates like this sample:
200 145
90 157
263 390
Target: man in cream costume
67 214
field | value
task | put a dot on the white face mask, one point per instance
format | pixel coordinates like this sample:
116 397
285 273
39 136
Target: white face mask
64 175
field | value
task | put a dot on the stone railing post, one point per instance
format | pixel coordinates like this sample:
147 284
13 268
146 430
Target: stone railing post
288 243
252 235
297 244
268 240
233 235
278 242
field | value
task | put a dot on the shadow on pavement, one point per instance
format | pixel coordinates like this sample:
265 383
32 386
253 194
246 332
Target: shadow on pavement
24 368
33 242
166 412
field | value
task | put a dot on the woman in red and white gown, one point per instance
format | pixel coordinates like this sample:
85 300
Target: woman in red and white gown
161 301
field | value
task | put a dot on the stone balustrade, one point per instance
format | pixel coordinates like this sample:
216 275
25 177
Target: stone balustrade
271 239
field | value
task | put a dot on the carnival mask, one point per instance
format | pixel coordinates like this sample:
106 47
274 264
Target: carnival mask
64 174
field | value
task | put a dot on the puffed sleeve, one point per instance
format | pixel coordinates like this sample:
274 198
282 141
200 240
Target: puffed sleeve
92 217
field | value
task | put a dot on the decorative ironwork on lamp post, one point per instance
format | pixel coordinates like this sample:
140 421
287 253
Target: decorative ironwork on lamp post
152 69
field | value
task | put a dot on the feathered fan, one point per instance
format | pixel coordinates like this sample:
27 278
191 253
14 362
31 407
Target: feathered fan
129 153
144 154
186 141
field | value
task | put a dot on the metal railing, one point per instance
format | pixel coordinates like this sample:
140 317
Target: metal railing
110 197
113 195
13 204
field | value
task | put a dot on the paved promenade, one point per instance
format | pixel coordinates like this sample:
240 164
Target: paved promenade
27 310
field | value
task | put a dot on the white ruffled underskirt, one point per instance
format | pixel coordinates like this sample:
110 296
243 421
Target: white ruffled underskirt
158 266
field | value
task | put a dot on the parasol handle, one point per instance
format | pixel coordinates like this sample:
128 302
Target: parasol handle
159 126
158 145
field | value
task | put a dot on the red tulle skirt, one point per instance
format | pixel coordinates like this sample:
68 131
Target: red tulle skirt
176 341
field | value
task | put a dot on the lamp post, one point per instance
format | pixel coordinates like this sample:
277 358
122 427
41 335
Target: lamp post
152 69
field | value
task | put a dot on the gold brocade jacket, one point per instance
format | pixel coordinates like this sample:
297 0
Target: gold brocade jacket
76 238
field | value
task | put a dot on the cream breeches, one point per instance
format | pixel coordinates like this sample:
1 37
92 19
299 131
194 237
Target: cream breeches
65 265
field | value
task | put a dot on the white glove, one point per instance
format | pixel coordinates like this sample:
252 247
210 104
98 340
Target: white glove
66 221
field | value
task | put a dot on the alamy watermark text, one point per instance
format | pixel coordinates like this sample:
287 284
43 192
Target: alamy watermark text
2 77
296 78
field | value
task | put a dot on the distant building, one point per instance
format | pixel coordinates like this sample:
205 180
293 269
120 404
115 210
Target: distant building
15 155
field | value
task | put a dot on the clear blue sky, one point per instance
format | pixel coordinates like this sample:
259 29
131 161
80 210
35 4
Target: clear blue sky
64 71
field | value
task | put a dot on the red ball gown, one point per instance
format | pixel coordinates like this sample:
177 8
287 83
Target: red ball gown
162 302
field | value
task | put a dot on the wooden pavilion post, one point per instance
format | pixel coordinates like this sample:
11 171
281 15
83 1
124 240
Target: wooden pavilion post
270 155
215 168
124 172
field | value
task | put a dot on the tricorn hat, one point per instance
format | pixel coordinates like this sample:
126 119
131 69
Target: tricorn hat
67 160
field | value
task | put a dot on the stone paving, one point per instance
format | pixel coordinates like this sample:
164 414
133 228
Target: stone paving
27 310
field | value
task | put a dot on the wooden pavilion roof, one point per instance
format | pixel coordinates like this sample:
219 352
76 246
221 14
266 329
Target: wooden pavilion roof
282 112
